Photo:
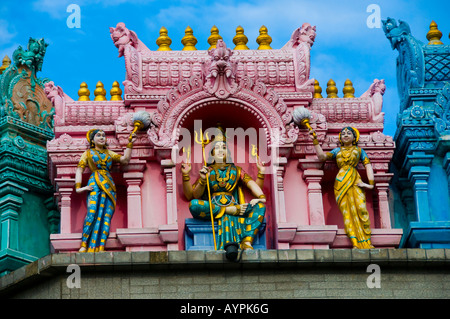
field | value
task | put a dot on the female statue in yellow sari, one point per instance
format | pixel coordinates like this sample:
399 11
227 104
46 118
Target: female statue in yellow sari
348 186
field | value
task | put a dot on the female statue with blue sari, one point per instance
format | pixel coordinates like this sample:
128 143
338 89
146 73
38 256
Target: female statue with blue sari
237 220
101 201
348 185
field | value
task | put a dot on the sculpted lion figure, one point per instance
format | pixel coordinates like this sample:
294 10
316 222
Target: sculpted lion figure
123 37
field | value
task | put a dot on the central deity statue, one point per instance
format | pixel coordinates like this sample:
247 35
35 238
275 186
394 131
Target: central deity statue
237 221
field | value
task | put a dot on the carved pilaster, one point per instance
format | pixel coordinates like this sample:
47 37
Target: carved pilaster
419 175
134 198
382 197
10 205
65 188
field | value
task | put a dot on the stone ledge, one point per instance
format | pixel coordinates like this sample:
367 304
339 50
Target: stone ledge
162 260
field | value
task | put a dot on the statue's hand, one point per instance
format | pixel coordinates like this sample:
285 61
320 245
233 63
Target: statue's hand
255 201
132 138
185 168
203 172
243 209
84 189
364 185
260 165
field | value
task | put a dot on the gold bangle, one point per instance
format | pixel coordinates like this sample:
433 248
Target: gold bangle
261 176
262 196
130 145
202 182
77 185
371 182
315 141
186 178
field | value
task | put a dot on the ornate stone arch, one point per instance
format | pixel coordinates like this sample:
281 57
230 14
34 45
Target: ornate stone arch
265 104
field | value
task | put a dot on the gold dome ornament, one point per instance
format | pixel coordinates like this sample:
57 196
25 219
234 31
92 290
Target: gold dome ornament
163 40
332 89
317 90
240 39
6 62
116 92
189 41
264 39
100 92
349 90
434 35
214 37
83 92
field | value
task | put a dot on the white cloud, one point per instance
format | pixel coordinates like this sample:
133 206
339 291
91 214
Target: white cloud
7 32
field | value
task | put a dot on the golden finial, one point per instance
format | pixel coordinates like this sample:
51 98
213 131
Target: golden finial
6 62
349 90
264 40
332 89
317 90
100 92
212 40
83 92
189 41
240 39
163 40
434 35
116 92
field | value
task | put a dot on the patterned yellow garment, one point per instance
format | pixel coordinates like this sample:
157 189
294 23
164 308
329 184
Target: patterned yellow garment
350 198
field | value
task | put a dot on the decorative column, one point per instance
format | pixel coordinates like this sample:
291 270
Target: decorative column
134 198
313 177
382 192
65 187
419 175
278 187
10 205
169 232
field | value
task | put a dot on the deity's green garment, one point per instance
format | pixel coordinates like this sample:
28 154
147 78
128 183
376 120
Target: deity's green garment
226 190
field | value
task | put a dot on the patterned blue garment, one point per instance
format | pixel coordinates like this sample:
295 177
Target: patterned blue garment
101 201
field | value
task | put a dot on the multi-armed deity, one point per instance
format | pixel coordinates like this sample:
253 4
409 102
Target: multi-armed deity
218 195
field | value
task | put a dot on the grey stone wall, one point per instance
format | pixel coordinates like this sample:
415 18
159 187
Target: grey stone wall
200 275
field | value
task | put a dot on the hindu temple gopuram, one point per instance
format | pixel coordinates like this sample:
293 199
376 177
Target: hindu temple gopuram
199 152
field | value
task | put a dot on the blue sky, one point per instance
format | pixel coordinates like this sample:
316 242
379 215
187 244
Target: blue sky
345 46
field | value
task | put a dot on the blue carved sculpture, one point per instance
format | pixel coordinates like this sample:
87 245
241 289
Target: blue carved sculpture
422 157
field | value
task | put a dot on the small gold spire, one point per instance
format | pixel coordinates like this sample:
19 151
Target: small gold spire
240 39
6 62
349 90
163 40
83 92
434 35
317 90
212 40
116 92
264 39
100 92
332 89
189 41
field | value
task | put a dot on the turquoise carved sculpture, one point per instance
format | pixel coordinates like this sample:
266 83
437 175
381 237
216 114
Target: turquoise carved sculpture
422 156
28 211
